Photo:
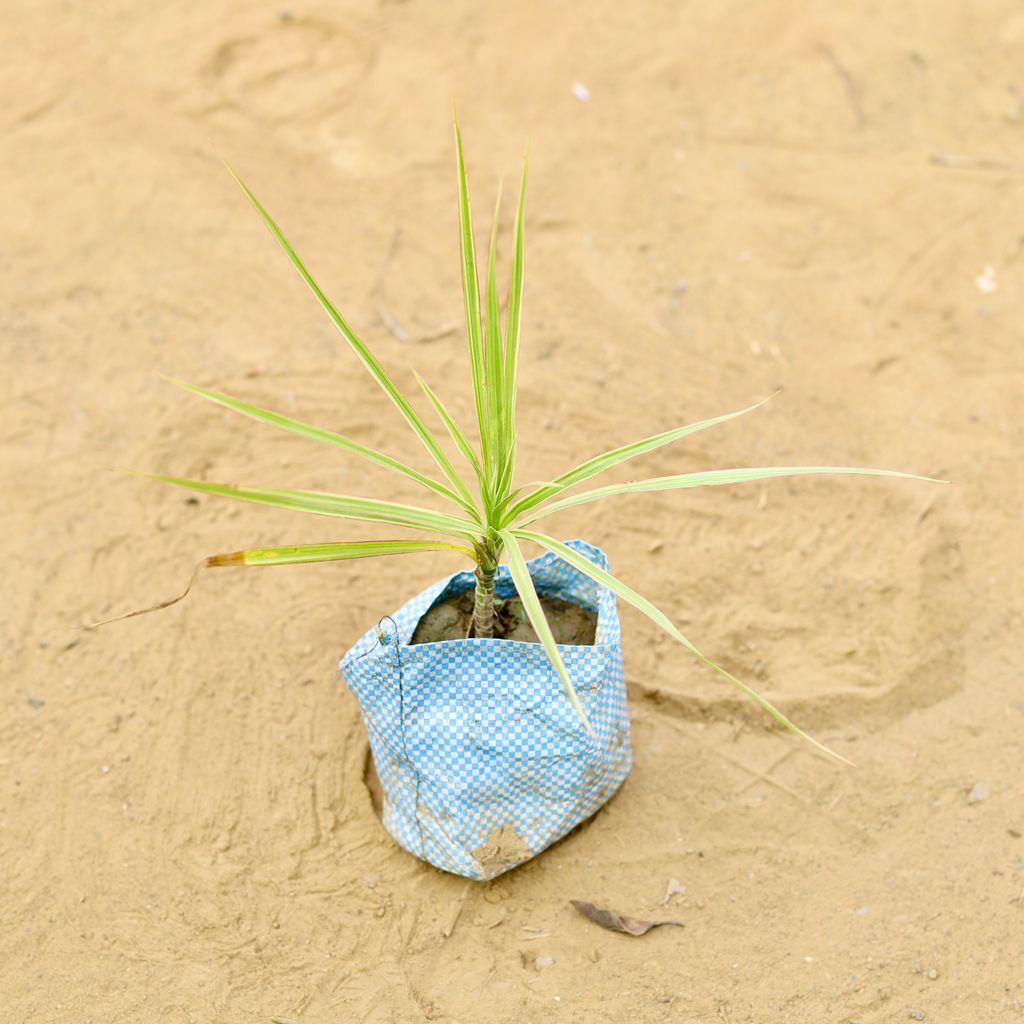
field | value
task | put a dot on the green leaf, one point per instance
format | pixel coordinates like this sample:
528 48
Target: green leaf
332 552
600 463
492 349
513 324
318 434
365 355
531 602
714 478
630 596
454 431
471 297
319 503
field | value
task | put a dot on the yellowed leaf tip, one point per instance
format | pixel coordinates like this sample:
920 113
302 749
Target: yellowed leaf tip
231 558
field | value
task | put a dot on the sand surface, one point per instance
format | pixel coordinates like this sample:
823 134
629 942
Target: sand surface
753 196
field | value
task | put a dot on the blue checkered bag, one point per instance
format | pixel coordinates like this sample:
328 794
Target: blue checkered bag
482 760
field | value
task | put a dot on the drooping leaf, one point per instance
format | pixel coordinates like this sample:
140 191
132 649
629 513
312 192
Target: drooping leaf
657 616
531 604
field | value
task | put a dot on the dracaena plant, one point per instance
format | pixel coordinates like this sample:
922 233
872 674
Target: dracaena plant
488 517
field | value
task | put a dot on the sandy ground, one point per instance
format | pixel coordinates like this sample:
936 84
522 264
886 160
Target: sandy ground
754 195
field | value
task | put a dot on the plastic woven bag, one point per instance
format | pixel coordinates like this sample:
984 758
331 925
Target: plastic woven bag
482 760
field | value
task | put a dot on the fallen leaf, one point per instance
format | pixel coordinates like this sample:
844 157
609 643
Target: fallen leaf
616 922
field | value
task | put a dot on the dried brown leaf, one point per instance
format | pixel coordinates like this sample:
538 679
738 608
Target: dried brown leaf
616 922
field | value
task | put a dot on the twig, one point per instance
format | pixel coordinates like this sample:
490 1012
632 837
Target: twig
456 913
152 608
971 163
1019 898
852 92
925 512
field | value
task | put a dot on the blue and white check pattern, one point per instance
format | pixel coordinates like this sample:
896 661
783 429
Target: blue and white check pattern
475 738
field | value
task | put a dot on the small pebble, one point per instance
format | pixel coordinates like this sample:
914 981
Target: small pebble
978 793
581 92
986 281
917 1015
933 974
36 702
544 961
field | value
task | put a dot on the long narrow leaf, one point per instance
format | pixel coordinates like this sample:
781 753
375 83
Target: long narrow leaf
531 603
319 503
513 324
630 596
454 430
600 463
503 486
318 434
365 355
492 348
471 297
332 552
713 478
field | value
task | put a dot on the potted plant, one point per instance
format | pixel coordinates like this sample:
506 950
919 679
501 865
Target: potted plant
495 700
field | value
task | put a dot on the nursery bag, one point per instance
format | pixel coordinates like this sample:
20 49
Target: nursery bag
482 760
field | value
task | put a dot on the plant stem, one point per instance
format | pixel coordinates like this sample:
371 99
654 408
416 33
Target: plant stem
483 603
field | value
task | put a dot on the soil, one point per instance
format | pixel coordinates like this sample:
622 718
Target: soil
451 620
724 199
